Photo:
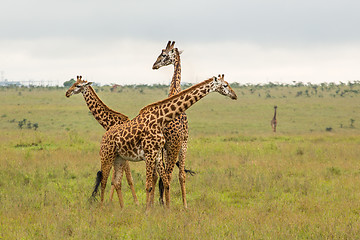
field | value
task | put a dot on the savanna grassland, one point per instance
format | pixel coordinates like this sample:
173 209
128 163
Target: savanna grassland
302 182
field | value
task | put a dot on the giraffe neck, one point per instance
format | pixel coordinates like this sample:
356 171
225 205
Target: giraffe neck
102 113
274 114
175 86
166 110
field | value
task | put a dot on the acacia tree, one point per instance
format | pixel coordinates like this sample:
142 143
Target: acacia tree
69 83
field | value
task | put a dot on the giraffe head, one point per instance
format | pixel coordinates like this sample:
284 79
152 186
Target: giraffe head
78 87
167 56
221 86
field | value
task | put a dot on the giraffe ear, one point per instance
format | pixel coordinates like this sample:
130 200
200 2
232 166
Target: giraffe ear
88 83
181 51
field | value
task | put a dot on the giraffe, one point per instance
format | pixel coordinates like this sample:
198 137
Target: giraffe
141 138
274 121
176 132
106 118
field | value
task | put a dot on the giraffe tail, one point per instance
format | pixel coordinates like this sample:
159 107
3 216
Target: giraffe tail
161 184
161 191
191 172
96 185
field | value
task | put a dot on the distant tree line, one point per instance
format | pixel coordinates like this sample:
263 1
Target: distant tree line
301 89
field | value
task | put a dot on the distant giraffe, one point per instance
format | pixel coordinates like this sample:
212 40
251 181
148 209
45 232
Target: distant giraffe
176 132
274 121
142 137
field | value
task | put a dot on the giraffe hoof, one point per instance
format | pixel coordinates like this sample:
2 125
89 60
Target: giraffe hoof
161 201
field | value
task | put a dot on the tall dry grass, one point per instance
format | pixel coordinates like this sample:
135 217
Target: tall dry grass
250 184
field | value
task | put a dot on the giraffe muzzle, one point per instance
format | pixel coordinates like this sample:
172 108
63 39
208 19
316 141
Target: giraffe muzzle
68 94
233 95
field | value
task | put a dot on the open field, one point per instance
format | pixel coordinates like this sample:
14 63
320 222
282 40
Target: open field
300 183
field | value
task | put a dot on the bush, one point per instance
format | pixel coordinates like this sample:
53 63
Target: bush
69 83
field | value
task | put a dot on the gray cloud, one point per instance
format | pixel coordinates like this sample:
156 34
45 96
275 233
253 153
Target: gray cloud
253 21
250 41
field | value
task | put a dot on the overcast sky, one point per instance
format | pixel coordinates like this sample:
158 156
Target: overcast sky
254 41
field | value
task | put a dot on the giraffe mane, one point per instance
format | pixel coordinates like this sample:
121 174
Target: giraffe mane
174 85
122 116
174 96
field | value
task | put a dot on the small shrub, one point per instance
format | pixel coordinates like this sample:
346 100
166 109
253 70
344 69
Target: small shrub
307 93
299 93
20 124
299 151
352 123
334 171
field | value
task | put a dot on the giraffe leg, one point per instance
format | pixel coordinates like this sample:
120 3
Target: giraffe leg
130 180
112 186
152 195
275 126
106 164
151 163
160 167
118 174
150 167
172 154
161 184
182 174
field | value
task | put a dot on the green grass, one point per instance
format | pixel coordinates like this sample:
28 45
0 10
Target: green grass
300 183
